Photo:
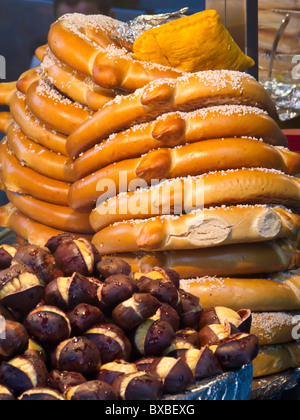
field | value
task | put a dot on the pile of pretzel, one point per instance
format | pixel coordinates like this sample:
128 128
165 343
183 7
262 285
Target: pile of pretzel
160 168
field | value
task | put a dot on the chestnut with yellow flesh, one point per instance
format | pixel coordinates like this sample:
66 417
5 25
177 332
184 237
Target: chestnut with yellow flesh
211 334
152 337
23 373
5 394
91 391
13 340
138 386
7 254
203 363
111 371
41 394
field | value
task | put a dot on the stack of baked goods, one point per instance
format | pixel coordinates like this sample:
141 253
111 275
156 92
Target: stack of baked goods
271 15
167 160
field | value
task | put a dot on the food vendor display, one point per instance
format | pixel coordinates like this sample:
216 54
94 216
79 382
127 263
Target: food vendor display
151 188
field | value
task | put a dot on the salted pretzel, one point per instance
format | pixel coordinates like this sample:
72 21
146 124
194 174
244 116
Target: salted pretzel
83 43
274 359
230 261
199 229
240 186
177 129
54 109
39 158
40 51
5 121
73 84
34 128
265 294
190 160
23 180
27 78
27 229
188 93
52 215
274 327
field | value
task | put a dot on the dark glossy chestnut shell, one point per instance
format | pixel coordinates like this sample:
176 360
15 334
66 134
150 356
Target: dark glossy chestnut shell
41 394
152 337
13 340
116 289
91 391
83 317
61 380
113 266
141 386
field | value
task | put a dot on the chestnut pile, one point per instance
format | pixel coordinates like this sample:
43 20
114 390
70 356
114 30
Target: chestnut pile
81 327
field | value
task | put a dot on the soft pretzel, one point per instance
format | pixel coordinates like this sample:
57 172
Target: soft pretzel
5 121
23 180
274 327
52 215
83 43
35 129
259 294
55 110
178 129
183 195
199 229
275 359
27 78
188 93
39 158
229 260
73 84
190 160
27 229
40 52
6 91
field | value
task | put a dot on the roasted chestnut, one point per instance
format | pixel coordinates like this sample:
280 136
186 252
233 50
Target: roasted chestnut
34 349
7 253
41 394
5 394
161 273
203 363
152 337
20 288
168 314
13 339
138 386
236 351
113 266
177 346
212 334
23 373
62 380
144 363
241 319
83 317
91 391
48 324
116 289
111 342
134 311
111 371
53 243
77 354
190 335
174 373
77 256
191 310
40 260
164 291
68 292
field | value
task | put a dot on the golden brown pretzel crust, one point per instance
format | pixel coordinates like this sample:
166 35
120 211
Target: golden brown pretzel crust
276 359
83 43
52 215
5 121
27 229
200 229
179 129
6 91
230 260
242 186
261 294
39 158
23 180
188 93
190 160
55 110
35 129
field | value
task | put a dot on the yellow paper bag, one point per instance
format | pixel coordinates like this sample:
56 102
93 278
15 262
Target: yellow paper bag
193 43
